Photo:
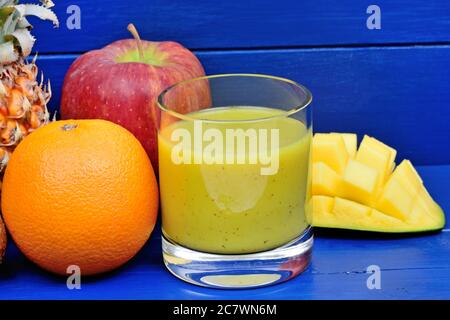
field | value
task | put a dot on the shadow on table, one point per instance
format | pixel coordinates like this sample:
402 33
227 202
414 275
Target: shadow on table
367 235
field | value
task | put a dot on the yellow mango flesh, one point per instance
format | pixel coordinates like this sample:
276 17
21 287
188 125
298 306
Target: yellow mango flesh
326 180
350 211
395 200
340 213
376 155
321 209
368 192
350 141
330 149
359 182
408 177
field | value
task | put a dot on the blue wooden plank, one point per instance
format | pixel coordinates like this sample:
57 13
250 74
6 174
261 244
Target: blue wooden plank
398 94
412 267
246 24
146 278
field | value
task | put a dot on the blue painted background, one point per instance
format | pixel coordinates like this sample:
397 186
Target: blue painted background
392 83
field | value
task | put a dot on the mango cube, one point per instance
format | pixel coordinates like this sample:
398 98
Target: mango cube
425 198
377 155
330 149
391 169
386 222
395 199
359 182
322 203
325 181
349 211
408 177
425 208
421 214
351 141
383 219
322 207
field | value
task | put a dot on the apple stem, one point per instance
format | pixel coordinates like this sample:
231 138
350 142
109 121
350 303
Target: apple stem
136 36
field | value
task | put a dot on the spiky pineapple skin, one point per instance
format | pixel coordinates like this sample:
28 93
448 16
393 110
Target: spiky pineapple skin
23 99
23 105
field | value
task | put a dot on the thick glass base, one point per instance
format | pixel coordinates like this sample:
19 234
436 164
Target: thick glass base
241 270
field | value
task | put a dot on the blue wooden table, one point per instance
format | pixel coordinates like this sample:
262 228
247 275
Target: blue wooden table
391 83
412 267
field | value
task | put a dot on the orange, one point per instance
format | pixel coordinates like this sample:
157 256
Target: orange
80 192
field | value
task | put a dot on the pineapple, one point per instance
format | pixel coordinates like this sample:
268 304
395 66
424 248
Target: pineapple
23 100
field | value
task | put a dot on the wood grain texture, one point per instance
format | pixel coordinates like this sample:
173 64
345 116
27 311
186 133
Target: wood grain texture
246 24
390 83
412 267
397 94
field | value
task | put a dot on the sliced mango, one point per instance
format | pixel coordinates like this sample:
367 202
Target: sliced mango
322 203
330 149
395 200
364 190
359 182
363 218
408 177
377 155
321 209
425 211
351 142
382 221
350 211
347 214
326 180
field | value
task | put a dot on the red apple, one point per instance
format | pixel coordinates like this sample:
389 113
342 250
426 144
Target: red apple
121 83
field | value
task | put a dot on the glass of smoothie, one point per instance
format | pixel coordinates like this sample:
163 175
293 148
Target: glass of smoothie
234 162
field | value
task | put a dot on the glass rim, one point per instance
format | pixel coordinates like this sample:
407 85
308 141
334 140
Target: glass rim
284 113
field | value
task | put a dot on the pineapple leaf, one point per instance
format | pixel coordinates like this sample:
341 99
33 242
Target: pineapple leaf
5 3
15 28
7 52
38 11
23 23
4 14
24 38
47 3
10 24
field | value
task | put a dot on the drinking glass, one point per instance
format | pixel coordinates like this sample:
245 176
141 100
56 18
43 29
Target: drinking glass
234 174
